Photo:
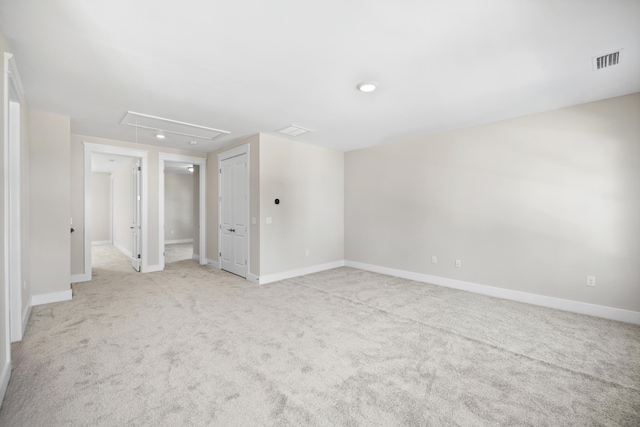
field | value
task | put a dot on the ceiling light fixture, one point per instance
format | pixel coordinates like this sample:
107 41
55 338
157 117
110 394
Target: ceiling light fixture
367 86
193 142
159 136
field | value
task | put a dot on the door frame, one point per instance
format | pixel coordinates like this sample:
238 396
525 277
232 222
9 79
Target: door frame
201 162
13 95
89 149
234 152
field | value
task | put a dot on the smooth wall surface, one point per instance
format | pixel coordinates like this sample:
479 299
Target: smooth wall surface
77 194
533 204
178 206
100 207
50 199
309 183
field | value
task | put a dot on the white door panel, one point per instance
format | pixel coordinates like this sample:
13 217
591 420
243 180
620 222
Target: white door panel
233 215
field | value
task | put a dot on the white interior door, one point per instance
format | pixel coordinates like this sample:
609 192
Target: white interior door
135 227
233 215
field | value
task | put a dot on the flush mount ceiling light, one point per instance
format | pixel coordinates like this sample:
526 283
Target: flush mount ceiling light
160 136
367 86
193 142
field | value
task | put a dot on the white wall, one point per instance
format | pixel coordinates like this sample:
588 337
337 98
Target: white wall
100 207
49 198
123 207
178 206
309 182
533 204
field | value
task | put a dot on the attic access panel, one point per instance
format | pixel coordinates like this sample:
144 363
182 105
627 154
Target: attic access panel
162 125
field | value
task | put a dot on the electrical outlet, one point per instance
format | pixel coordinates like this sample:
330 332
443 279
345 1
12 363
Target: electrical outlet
458 263
591 280
434 259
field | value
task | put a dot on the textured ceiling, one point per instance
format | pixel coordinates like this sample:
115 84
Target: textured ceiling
257 66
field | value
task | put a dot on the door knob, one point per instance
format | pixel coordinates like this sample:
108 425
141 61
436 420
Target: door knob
231 230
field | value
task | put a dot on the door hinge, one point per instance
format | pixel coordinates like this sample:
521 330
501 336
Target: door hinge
220 254
139 168
138 256
220 170
245 262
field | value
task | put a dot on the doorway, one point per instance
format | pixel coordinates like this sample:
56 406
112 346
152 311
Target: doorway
196 169
115 208
127 230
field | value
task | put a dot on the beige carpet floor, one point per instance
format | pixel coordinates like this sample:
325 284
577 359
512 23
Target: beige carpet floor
178 252
197 346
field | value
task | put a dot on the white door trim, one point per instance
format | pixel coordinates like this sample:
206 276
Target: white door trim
11 286
234 152
202 202
89 149
13 94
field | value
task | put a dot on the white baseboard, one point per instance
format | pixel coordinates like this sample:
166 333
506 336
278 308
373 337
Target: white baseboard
77 278
50 298
253 278
122 249
195 257
269 278
4 380
212 263
26 315
101 242
535 299
153 268
173 242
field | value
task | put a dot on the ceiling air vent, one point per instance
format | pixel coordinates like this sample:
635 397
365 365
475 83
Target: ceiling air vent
294 130
606 61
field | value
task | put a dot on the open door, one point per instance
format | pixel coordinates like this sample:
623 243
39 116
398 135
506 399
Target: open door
135 228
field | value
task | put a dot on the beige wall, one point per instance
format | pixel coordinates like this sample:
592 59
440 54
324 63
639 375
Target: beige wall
309 182
178 206
49 198
77 194
123 206
100 207
533 204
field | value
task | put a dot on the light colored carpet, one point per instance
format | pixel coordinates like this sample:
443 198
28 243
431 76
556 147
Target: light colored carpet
197 346
178 252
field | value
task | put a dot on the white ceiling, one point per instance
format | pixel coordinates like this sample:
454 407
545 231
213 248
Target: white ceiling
258 66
